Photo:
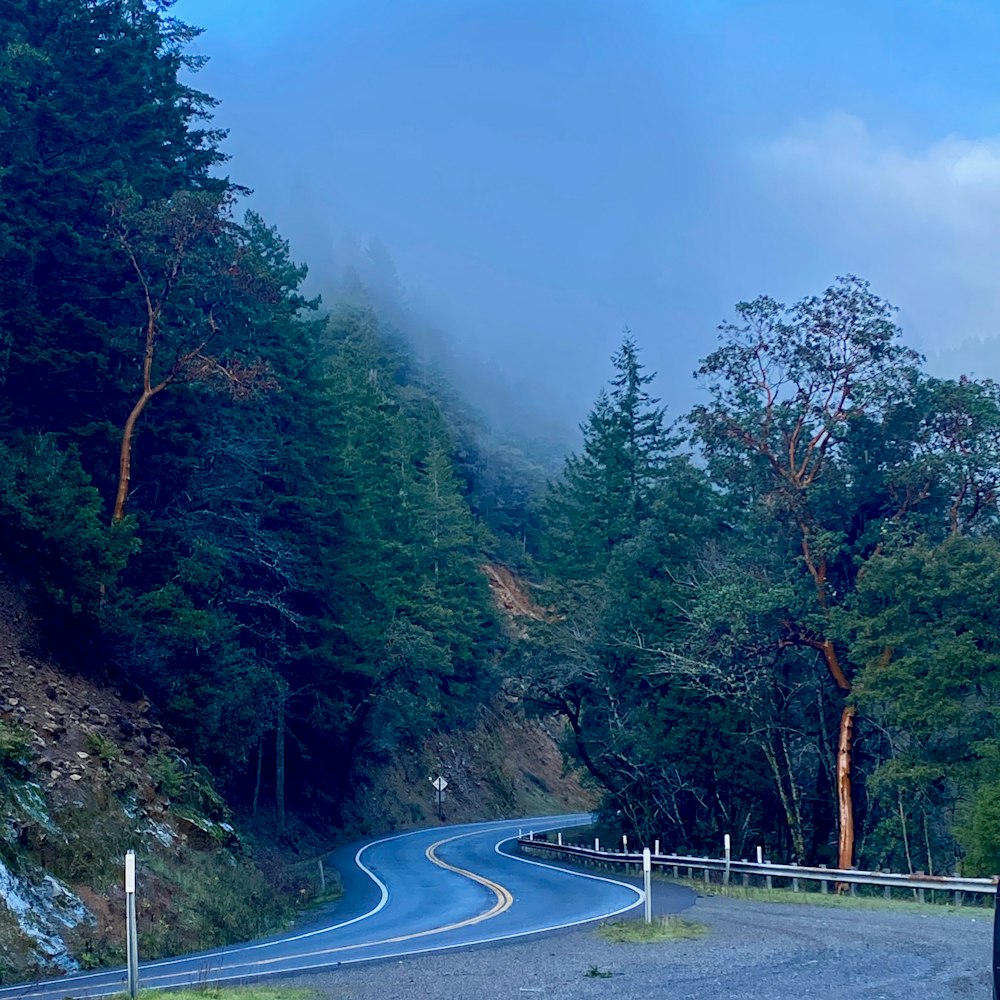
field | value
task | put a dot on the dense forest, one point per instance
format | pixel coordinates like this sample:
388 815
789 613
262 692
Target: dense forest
244 506
777 618
773 617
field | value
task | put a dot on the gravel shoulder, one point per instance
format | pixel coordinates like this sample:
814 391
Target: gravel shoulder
754 951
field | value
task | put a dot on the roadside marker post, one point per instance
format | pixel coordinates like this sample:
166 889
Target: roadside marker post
647 881
728 844
131 934
996 947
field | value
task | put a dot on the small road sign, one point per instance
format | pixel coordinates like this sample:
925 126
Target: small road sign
440 784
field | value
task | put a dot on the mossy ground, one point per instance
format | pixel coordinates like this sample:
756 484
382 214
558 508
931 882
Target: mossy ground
669 928
210 992
867 898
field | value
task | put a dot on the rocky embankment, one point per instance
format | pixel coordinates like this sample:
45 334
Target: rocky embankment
85 775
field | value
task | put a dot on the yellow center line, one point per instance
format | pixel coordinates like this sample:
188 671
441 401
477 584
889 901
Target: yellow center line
504 901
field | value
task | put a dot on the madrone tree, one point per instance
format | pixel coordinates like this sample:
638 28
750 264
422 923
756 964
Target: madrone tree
786 385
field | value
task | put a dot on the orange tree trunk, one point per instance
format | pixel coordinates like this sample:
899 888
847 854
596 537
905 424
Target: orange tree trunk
845 854
845 803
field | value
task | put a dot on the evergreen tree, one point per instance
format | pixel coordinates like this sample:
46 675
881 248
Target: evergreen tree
608 489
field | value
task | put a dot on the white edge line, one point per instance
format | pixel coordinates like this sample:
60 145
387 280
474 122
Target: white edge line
326 964
29 990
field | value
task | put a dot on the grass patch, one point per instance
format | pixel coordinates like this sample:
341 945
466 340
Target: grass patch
210 992
812 897
669 928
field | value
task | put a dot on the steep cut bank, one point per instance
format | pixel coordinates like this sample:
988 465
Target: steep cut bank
503 763
85 775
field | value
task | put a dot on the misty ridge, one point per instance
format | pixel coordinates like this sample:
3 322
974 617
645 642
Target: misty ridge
505 414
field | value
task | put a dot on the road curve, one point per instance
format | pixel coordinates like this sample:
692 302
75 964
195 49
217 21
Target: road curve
416 892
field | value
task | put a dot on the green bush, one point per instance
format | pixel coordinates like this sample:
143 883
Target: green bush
187 785
980 835
15 749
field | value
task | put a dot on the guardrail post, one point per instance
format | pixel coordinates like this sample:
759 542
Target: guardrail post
824 886
707 879
795 881
957 894
887 890
996 948
746 877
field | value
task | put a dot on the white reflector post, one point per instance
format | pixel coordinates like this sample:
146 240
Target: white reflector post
130 871
131 933
647 879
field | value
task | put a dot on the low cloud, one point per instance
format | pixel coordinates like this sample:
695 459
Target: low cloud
922 223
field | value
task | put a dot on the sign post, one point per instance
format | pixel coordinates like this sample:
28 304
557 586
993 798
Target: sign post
131 934
440 784
728 847
647 880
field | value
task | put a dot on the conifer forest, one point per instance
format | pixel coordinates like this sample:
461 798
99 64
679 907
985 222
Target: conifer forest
773 616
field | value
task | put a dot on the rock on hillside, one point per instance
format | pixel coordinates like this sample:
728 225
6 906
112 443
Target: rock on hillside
504 765
84 776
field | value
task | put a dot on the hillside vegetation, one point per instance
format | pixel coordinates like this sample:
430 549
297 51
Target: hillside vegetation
281 571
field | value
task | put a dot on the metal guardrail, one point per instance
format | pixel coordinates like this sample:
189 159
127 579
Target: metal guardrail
918 882
792 873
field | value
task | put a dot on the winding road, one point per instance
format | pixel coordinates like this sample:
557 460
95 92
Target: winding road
412 893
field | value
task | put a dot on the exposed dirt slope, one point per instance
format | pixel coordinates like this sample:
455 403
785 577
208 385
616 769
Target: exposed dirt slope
511 595
503 764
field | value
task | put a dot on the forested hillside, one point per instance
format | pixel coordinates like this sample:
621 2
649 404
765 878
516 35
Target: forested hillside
234 501
773 617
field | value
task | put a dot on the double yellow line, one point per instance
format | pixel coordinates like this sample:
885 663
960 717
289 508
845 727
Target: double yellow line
504 901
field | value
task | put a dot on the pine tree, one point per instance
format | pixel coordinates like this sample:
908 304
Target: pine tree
609 488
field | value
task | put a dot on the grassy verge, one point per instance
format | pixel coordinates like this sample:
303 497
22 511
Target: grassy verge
813 897
669 928
209 992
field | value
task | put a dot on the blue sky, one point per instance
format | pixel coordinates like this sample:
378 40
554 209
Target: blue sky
546 173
